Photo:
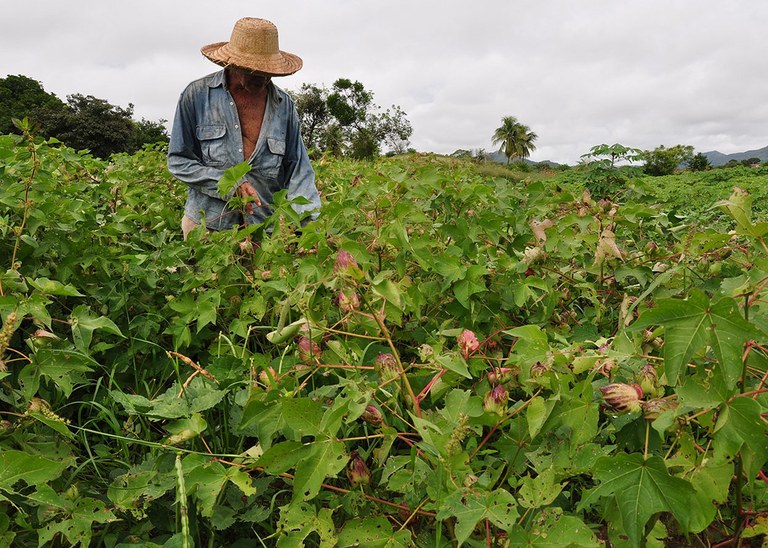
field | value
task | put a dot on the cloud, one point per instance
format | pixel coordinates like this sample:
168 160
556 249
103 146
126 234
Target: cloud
638 72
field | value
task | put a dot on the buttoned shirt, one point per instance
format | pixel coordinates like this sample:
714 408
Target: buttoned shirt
206 139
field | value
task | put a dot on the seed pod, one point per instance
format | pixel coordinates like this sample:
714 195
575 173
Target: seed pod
622 397
345 263
309 350
348 300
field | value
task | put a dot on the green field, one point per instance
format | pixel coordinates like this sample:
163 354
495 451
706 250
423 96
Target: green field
452 354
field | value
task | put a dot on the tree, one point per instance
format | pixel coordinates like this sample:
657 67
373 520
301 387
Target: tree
609 168
516 140
23 97
698 162
345 120
664 161
314 116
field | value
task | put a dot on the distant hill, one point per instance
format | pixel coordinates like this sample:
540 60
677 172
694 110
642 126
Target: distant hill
501 158
719 159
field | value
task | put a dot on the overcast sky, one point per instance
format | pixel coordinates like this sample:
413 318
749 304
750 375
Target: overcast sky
579 72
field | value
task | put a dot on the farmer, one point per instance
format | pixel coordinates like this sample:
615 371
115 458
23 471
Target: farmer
234 115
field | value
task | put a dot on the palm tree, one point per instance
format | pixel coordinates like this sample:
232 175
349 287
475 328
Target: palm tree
516 139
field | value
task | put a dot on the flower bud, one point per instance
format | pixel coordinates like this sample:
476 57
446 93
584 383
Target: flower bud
309 350
539 368
649 381
348 300
622 397
345 263
372 415
496 400
386 366
268 377
468 342
653 408
358 473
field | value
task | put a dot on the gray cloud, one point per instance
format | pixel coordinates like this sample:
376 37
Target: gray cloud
638 72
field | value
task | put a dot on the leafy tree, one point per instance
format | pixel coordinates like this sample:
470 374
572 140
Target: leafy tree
609 167
23 97
749 162
516 140
312 106
698 162
664 161
147 132
93 124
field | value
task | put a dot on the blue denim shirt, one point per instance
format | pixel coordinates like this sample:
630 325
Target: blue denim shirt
206 140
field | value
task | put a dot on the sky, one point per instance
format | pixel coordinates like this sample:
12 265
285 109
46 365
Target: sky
579 73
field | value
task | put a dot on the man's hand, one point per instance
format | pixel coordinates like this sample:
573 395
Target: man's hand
246 191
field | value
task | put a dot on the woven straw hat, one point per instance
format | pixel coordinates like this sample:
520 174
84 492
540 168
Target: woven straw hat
253 46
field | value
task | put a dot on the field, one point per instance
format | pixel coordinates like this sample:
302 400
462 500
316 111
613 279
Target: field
446 357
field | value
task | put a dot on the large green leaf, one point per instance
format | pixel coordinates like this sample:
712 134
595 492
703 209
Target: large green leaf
740 426
552 529
692 324
641 489
16 466
470 507
324 458
373 533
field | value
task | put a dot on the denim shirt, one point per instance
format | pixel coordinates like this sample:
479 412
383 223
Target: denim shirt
206 140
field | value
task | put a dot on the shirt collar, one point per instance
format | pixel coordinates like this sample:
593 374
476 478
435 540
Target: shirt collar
217 79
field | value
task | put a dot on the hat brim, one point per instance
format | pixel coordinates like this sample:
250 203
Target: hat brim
281 63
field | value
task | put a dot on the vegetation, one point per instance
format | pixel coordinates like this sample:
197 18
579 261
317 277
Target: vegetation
442 358
345 121
84 122
516 140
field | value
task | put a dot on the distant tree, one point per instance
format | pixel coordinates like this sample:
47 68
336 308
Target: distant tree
93 124
23 97
314 116
147 132
664 161
699 162
749 162
516 140
345 120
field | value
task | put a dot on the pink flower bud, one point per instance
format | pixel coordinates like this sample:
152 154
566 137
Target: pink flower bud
348 300
496 400
622 397
468 342
345 263
372 415
308 349
386 367
358 473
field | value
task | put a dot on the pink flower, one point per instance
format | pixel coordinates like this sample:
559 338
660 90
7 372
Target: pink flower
468 342
358 473
345 262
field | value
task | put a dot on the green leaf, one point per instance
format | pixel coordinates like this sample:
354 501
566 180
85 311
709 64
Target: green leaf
641 488
298 521
454 362
692 324
373 533
205 478
231 177
33 469
81 515
740 425
470 507
197 396
539 491
324 458
84 324
54 287
552 529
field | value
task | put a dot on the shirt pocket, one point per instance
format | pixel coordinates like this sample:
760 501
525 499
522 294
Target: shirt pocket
273 157
212 139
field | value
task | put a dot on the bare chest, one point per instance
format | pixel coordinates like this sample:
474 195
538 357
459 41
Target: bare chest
250 110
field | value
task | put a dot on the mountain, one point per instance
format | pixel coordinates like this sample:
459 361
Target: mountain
718 158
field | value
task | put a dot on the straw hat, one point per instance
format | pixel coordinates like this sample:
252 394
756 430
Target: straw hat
253 46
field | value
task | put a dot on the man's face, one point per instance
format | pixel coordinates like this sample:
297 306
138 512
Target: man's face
247 80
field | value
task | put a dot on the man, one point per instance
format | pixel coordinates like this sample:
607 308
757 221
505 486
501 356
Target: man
234 115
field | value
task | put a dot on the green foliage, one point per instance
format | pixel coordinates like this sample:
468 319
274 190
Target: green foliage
345 121
698 162
664 161
608 169
426 364
516 139
23 97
